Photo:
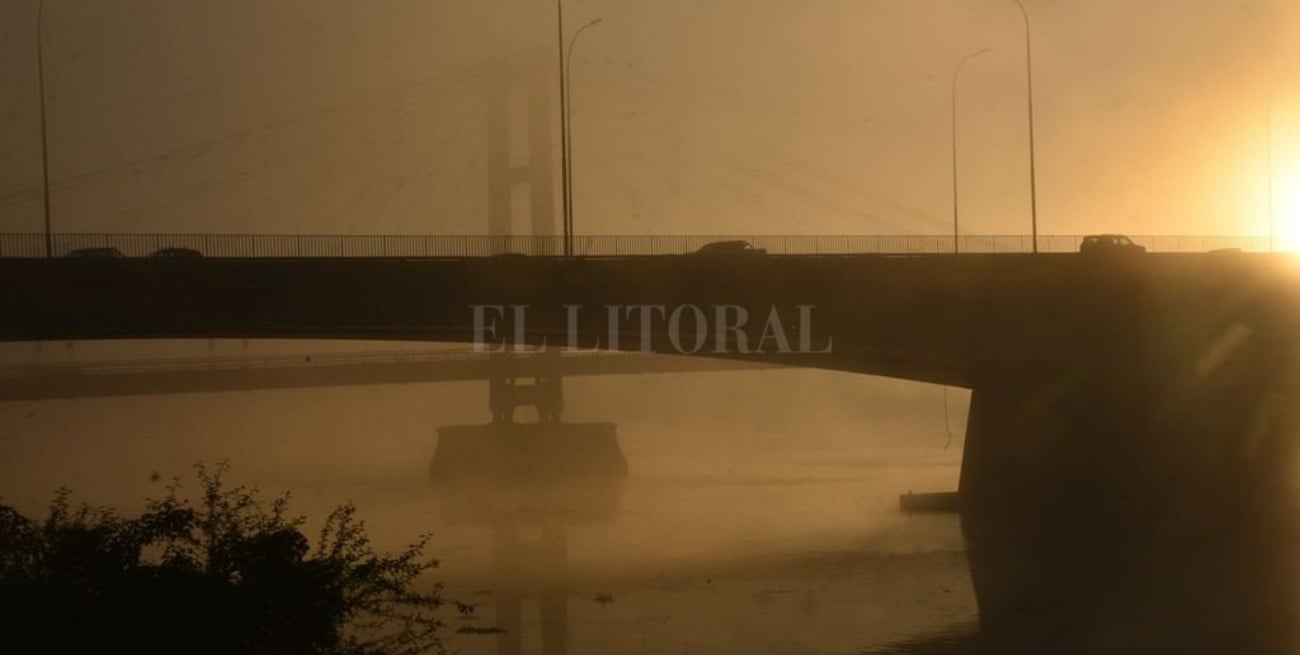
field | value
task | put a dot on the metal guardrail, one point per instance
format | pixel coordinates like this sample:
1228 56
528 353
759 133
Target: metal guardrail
433 246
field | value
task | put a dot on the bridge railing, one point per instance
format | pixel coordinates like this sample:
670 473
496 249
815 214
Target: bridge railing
415 246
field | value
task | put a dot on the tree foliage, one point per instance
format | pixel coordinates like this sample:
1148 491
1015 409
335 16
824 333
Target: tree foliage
227 573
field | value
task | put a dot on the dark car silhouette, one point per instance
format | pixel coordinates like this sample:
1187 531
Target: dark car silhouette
731 247
95 253
1106 243
177 253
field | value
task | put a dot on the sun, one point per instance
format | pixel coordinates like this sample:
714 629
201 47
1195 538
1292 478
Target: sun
1284 154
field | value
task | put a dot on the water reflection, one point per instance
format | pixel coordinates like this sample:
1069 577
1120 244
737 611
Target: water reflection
1059 583
774 552
527 483
525 569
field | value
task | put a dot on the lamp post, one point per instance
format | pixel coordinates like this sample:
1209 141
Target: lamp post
568 135
1029 84
564 126
565 144
955 232
45 146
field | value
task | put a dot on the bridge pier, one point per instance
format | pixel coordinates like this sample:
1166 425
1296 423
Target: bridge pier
1095 499
1127 446
545 393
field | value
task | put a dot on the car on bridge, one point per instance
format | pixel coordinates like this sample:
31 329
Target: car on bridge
1109 243
177 253
730 247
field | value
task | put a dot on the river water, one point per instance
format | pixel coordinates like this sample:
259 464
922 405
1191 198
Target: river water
768 554
743 525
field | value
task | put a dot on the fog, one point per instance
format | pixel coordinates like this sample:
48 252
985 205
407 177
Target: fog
761 508
743 498
673 427
824 117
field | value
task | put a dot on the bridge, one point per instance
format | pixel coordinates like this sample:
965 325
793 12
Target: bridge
1134 404
1110 394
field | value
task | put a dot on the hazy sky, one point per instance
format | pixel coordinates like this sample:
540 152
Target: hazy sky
720 116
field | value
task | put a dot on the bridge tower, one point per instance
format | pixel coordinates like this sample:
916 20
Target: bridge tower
521 151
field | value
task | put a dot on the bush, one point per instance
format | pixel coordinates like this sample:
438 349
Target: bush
227 574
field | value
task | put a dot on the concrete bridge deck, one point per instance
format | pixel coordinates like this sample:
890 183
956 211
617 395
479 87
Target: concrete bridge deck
951 319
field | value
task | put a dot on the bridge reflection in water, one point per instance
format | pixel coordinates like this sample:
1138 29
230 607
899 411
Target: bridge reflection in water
1056 586
1203 577
1062 589
527 483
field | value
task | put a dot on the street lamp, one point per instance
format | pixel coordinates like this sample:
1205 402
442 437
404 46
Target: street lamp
1029 83
45 146
568 119
955 74
566 144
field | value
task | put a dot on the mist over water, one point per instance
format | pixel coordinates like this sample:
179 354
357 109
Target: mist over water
744 524
759 514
